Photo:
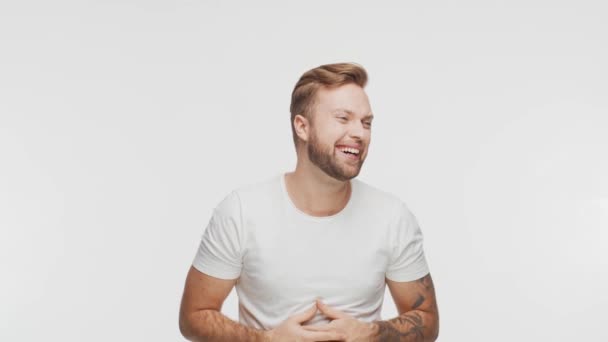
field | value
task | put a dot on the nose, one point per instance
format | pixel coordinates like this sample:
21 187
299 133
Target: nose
357 131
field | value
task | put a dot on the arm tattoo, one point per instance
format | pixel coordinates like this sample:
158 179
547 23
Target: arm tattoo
388 332
410 326
425 284
418 302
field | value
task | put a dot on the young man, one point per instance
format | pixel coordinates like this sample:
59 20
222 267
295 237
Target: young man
311 251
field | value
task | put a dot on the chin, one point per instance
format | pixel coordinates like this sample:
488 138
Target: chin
349 176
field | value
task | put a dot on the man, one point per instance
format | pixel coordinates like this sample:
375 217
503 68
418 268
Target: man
311 251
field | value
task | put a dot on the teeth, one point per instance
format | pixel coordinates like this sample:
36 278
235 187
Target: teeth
349 149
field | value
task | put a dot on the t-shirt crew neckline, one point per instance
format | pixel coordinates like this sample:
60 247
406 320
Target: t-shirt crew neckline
290 204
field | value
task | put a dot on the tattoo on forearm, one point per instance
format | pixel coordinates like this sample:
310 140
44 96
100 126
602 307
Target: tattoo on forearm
410 326
411 321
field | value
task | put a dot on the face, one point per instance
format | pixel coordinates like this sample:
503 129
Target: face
340 131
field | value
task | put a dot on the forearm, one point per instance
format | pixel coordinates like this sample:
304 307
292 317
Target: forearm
411 326
212 326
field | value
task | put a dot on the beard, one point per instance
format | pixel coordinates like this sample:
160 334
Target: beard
327 160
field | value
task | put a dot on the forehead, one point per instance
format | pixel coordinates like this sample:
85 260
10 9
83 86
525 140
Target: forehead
348 97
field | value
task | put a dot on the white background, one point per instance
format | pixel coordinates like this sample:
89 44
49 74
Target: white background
123 123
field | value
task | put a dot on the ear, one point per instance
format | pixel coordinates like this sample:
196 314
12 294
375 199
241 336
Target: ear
302 127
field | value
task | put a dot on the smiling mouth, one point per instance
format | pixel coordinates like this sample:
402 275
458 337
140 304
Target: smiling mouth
350 154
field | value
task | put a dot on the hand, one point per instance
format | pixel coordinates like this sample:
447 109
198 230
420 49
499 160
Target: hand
353 329
292 330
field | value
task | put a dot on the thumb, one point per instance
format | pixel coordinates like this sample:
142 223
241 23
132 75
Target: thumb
330 312
305 315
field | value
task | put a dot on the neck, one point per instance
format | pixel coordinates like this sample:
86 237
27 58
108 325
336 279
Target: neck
314 192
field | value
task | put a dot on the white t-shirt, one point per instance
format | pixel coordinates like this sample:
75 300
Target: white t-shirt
285 258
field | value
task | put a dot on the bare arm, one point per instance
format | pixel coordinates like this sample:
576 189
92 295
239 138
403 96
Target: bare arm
418 319
200 318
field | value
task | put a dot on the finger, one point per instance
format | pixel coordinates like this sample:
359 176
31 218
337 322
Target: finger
330 312
324 327
306 315
324 336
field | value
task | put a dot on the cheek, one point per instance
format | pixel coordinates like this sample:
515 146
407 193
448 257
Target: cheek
338 131
330 134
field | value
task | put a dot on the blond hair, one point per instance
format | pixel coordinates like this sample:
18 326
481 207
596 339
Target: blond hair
328 75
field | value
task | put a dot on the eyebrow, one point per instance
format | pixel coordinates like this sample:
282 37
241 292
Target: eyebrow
369 116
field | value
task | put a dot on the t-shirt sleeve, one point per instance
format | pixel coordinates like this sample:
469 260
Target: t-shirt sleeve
407 262
220 250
